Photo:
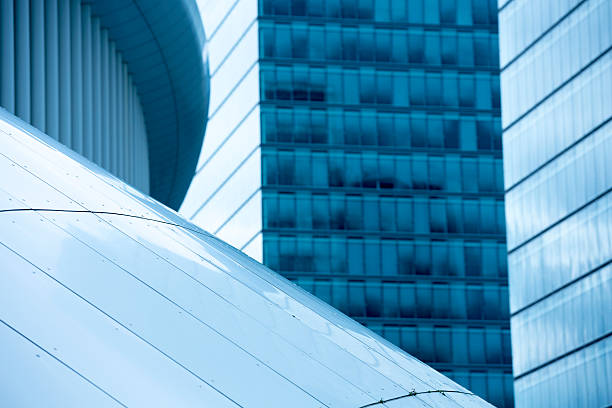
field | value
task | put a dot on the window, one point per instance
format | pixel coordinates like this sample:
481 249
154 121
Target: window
366 88
286 210
418 130
421 216
481 50
449 48
476 345
366 44
333 43
422 264
480 11
417 88
383 88
450 95
466 90
415 11
349 44
383 42
300 42
366 10
316 43
320 211
432 47
355 256
404 215
448 11
354 212
473 264
466 49
286 168
399 47
387 214
438 215
451 133
416 50
282 39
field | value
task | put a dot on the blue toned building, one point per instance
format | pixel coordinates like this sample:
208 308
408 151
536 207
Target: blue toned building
355 147
123 83
556 76
110 299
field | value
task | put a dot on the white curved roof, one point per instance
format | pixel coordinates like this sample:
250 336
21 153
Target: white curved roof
108 298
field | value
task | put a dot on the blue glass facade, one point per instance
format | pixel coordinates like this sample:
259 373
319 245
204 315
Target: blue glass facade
358 153
556 80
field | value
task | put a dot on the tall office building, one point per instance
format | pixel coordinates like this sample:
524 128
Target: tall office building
355 147
556 60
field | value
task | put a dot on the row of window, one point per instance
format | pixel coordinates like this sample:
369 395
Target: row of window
580 379
394 300
370 170
563 322
571 45
456 345
524 21
575 110
368 44
578 245
336 85
354 212
573 179
375 128
460 12
384 257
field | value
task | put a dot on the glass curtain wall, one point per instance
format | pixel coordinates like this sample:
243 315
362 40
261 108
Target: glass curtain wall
557 110
381 166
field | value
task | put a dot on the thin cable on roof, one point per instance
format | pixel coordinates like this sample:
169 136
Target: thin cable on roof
414 393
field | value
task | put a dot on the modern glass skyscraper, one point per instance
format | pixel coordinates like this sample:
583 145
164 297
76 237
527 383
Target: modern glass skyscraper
355 147
556 64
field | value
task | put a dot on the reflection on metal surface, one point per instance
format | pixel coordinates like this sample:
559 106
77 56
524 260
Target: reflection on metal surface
108 298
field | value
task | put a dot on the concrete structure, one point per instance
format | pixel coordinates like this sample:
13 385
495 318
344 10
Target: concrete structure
556 60
124 83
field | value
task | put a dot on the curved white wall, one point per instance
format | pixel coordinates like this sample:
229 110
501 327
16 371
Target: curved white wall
60 72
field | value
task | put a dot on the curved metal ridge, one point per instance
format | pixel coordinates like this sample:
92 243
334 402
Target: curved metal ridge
8 210
414 393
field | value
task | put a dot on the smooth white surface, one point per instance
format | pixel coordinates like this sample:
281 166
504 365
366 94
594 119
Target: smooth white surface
129 304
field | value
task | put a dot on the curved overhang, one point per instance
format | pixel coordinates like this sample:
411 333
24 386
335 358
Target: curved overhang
163 46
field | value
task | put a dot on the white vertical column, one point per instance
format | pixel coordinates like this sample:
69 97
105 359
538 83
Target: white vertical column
97 90
51 69
38 64
22 58
105 73
120 134
130 131
124 119
76 85
7 53
65 123
112 86
87 83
